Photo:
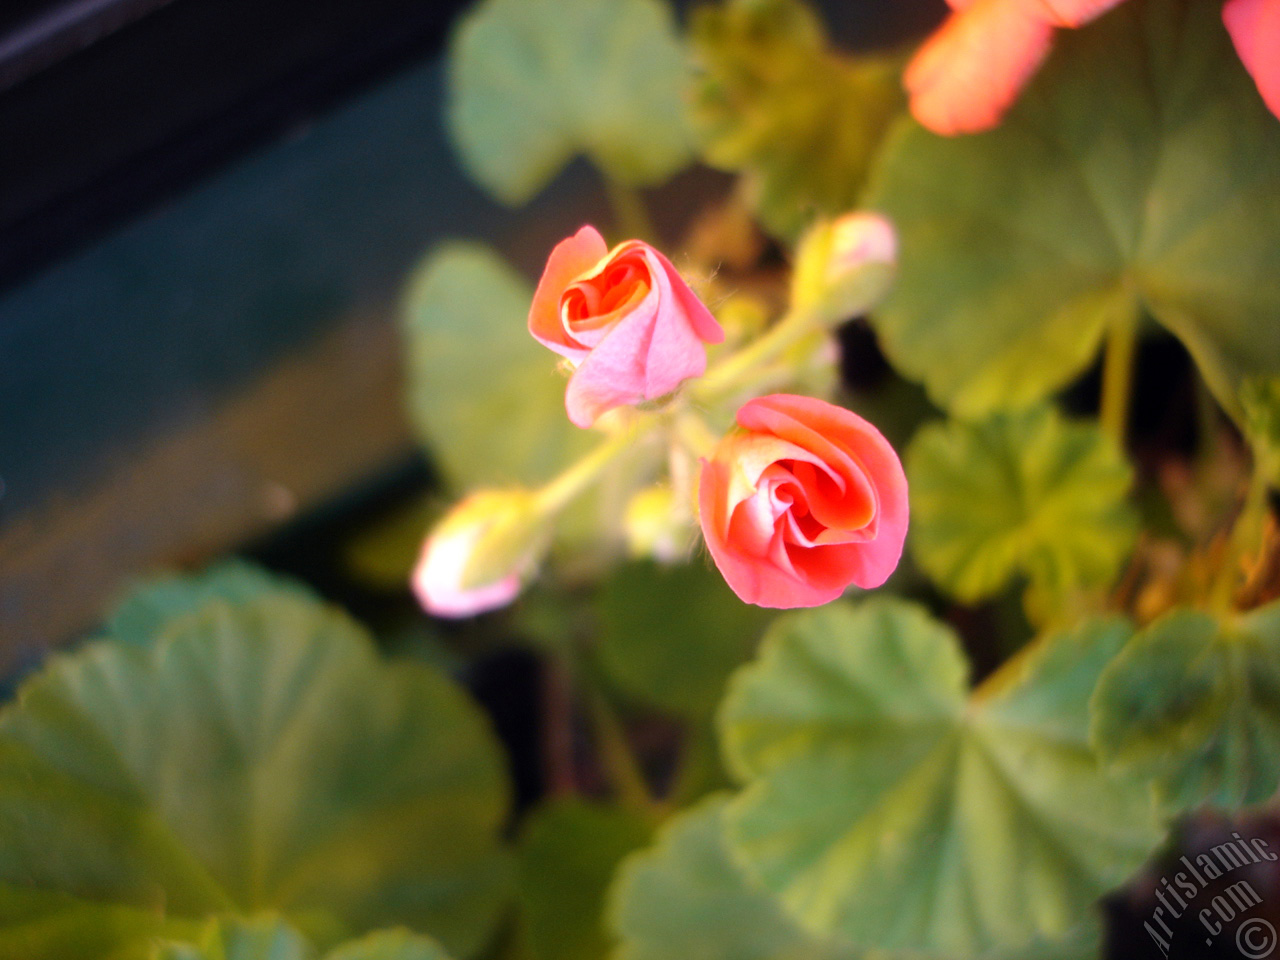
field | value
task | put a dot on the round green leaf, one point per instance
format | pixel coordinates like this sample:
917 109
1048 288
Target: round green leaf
485 397
1026 493
153 604
684 897
258 756
1140 171
671 635
568 854
535 82
1194 704
773 101
884 806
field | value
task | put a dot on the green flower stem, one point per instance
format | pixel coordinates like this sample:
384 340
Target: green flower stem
630 215
616 756
561 491
733 372
1245 539
738 368
1117 380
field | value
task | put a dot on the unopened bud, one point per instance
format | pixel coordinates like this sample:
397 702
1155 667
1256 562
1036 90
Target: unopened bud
656 526
845 267
478 557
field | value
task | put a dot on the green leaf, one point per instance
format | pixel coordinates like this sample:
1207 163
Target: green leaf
485 397
154 603
398 944
1139 172
535 82
1260 399
258 756
1026 493
800 121
269 938
684 897
885 806
568 854
261 939
669 636
1193 704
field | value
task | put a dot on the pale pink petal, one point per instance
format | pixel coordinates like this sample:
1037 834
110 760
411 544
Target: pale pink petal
675 353
1073 13
613 374
569 260
1254 26
972 69
705 326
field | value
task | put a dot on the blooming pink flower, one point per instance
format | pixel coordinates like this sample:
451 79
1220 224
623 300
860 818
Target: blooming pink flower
964 77
804 500
626 321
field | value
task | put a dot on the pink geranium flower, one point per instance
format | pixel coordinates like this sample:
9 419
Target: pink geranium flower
964 77
623 318
803 500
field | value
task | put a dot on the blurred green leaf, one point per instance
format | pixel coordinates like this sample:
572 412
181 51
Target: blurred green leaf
49 925
272 939
144 613
258 756
1260 399
1140 172
1029 493
772 99
684 897
568 854
485 397
884 805
1193 704
669 636
535 82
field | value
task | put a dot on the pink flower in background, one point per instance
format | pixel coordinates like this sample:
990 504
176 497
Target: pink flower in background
802 501
626 321
965 76
1254 26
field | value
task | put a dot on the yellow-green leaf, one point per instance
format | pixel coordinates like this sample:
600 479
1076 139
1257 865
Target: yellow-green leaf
1028 493
801 121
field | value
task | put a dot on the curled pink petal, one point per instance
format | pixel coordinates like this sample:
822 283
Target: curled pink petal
1254 26
625 318
805 499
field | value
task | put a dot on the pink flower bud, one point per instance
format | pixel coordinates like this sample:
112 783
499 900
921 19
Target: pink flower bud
478 556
